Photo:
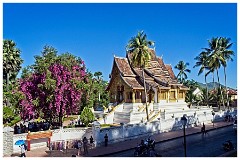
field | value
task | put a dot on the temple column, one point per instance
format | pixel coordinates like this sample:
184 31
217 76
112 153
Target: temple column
176 95
159 94
155 95
168 95
125 96
133 97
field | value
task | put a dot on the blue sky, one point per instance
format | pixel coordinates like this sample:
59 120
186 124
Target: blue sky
96 32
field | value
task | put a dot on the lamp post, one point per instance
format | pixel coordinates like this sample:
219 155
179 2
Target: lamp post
184 122
213 113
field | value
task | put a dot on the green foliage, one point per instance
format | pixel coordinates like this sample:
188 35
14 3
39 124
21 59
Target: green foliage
42 63
12 96
69 126
87 116
68 118
182 67
14 121
11 61
8 114
94 87
205 97
192 84
139 46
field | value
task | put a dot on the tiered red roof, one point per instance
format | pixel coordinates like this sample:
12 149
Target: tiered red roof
157 74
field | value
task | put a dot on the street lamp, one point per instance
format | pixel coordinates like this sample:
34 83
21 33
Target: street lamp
213 113
184 122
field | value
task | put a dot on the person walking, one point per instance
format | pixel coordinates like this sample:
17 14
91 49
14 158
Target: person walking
85 146
203 129
23 150
106 139
79 147
91 142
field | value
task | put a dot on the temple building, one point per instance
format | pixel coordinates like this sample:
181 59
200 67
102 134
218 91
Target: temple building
127 96
126 83
165 95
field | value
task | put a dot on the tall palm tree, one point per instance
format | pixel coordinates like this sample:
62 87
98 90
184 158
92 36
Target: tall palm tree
11 63
215 59
227 55
202 62
182 67
139 46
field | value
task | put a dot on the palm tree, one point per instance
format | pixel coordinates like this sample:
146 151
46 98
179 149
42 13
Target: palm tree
11 61
139 46
215 58
202 61
227 55
182 67
205 96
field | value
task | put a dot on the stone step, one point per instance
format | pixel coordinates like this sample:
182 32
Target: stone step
121 120
122 115
128 107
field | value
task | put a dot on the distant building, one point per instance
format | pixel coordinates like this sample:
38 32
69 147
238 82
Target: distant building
197 92
233 96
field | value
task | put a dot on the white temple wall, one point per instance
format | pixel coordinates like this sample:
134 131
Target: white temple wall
126 131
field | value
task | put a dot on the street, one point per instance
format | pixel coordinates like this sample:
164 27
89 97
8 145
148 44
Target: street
198 145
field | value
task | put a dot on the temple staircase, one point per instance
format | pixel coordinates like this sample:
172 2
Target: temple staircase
131 115
124 115
127 115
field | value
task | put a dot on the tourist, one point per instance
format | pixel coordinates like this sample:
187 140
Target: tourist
21 128
203 130
30 126
16 129
91 141
23 150
85 146
79 145
106 139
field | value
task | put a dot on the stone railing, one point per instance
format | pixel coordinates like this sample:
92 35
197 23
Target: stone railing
155 116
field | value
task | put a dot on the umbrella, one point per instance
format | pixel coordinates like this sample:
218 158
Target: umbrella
20 142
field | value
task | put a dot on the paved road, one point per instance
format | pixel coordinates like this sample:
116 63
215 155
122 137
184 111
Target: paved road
209 145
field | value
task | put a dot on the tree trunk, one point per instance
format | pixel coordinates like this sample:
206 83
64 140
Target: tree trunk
60 116
206 86
220 90
145 90
225 78
7 86
214 82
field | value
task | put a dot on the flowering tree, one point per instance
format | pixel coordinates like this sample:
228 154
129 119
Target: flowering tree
54 86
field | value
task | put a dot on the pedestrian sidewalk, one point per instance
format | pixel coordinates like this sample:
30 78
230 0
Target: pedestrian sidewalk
125 145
